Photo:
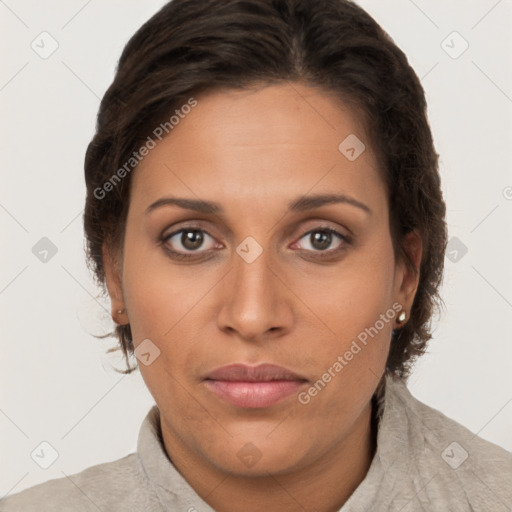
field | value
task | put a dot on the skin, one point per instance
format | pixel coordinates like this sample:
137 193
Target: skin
253 152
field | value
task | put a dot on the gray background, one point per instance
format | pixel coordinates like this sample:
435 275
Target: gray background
57 382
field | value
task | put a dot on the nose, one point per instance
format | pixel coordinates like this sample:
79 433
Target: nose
256 301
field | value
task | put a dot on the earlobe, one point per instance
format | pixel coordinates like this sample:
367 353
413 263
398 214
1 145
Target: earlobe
114 286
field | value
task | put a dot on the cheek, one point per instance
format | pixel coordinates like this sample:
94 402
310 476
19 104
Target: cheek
351 296
158 295
166 304
175 307
354 305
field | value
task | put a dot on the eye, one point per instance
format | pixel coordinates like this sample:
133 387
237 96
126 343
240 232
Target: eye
190 239
320 239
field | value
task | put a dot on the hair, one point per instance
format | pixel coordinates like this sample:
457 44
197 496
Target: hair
191 46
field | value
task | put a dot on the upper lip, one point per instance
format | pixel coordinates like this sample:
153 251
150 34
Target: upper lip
260 373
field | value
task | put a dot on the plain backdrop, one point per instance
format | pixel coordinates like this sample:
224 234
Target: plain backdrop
57 381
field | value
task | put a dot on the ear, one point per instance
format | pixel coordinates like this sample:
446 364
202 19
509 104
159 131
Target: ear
113 281
406 279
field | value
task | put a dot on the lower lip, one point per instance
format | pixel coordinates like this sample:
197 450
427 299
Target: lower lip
254 394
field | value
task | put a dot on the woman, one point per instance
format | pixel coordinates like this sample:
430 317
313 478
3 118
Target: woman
264 208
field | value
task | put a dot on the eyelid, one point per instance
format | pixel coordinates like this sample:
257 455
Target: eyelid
198 226
189 227
345 239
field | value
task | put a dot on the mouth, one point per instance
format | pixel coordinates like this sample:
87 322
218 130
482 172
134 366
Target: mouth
254 386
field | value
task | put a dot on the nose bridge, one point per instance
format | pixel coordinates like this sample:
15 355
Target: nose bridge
253 300
253 283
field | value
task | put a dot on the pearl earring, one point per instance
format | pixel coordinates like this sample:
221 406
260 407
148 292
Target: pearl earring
401 317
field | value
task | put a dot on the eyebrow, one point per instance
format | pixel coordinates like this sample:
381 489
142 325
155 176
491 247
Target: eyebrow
300 204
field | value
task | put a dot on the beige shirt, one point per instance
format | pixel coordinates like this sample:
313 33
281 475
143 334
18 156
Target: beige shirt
424 462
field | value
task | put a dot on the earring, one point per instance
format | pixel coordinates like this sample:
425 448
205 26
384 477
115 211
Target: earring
121 311
401 317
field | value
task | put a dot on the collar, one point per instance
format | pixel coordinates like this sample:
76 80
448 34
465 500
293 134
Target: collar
175 493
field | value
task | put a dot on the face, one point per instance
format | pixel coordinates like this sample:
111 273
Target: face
292 266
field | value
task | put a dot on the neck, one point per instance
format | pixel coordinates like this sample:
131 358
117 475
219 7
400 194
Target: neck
323 486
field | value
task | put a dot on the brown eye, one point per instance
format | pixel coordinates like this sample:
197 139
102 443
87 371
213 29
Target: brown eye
321 239
187 239
191 239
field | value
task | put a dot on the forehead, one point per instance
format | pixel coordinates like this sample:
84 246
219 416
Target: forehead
260 144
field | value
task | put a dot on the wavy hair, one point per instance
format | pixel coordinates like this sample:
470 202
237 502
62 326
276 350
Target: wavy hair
193 46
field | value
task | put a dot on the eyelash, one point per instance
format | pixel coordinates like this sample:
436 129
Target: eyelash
319 254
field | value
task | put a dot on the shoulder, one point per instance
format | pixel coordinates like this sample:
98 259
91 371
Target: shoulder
450 460
117 485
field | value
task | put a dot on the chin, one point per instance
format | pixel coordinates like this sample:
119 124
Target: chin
254 456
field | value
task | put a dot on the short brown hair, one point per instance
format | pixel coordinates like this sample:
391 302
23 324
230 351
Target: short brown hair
191 46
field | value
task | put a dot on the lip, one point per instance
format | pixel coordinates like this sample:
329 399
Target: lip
258 386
